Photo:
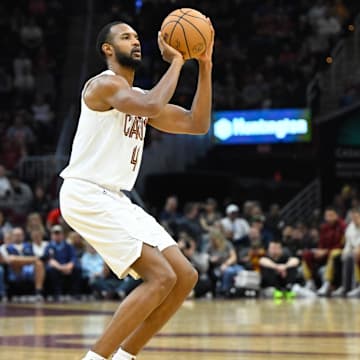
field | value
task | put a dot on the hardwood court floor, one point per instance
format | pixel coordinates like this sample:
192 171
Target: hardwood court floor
202 329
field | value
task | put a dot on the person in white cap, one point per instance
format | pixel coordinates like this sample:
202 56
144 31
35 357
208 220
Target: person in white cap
235 228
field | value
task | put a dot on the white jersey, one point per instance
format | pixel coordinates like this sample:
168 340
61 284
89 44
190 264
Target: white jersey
107 147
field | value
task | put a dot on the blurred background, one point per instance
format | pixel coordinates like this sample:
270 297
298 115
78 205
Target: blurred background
289 67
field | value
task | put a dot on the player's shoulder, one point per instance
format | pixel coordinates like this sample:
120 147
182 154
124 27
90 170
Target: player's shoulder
105 81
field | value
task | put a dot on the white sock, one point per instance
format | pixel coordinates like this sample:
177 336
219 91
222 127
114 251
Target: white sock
93 356
123 355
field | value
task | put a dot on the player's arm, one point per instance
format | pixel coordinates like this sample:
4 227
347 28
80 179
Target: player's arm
177 120
107 91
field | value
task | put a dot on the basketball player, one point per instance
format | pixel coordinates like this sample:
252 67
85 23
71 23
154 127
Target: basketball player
105 160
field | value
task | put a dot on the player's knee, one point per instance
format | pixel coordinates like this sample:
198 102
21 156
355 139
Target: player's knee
192 276
166 281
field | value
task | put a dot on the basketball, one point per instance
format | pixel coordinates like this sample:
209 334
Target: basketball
188 31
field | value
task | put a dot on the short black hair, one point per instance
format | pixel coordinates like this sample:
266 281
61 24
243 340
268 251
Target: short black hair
331 208
104 36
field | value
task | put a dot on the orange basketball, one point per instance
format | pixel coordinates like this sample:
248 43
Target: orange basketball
188 31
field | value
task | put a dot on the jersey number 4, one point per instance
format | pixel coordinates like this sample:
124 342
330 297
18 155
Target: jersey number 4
135 156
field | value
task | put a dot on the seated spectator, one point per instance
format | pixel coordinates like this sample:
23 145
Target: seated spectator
351 258
329 248
21 265
21 196
210 215
42 117
41 202
92 266
236 229
250 257
62 269
78 242
31 34
37 244
6 86
187 245
5 186
298 238
53 217
19 132
278 270
2 280
170 215
258 222
190 224
273 220
34 222
5 226
223 263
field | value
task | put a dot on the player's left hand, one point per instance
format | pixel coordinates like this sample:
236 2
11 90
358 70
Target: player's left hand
207 55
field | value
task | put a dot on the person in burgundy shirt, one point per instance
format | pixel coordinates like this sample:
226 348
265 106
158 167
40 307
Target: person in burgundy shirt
329 248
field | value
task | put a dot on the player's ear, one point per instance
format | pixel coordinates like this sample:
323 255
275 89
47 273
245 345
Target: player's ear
107 49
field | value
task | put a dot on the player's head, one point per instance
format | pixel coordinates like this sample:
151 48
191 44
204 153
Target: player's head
119 41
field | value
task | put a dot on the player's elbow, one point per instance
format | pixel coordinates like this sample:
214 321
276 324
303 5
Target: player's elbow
202 129
153 109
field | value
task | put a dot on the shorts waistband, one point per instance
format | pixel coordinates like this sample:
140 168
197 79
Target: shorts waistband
113 189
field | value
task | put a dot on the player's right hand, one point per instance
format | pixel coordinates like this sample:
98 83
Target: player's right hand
168 53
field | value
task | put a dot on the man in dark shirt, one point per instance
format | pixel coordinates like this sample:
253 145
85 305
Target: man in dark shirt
63 269
278 270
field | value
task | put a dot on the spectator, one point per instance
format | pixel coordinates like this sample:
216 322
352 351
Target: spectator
62 267
351 258
2 279
41 202
190 224
21 63
21 195
258 222
43 116
169 216
24 83
329 248
19 132
5 186
5 226
210 215
22 266
223 263
250 257
31 34
34 221
278 270
77 241
236 229
37 245
92 266
6 86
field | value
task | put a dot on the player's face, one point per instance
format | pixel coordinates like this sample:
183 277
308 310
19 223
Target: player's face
126 44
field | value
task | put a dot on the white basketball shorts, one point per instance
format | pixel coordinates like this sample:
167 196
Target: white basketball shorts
111 224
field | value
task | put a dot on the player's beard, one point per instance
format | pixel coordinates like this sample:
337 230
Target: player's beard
126 60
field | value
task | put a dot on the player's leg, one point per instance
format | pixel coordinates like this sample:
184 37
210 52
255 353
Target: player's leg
158 280
39 270
17 262
186 279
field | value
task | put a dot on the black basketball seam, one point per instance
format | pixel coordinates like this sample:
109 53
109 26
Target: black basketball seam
169 22
197 31
194 16
186 42
183 12
172 31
